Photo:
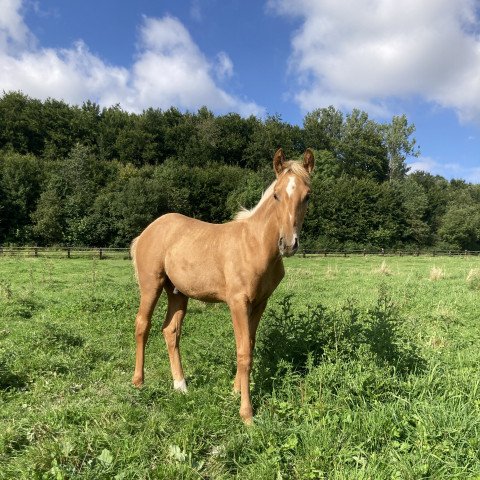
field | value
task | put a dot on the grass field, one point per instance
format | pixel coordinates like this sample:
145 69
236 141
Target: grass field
364 369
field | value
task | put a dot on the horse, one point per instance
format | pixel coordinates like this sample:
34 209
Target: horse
238 263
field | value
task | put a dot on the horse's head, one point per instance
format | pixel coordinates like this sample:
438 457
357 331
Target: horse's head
291 193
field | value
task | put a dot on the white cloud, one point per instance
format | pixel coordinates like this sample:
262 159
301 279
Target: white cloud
364 52
224 66
425 164
196 11
71 74
447 170
14 34
169 69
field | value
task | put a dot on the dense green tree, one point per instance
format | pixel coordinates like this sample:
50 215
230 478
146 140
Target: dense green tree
68 199
21 123
414 202
57 120
20 187
322 129
327 164
209 188
85 124
113 121
85 175
361 151
247 193
399 146
267 137
353 212
205 136
134 143
234 136
179 129
460 226
127 206
438 194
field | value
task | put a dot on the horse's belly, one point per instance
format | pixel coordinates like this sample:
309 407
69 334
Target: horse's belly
196 279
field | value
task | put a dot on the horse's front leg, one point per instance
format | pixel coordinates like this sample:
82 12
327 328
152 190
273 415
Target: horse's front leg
255 316
239 309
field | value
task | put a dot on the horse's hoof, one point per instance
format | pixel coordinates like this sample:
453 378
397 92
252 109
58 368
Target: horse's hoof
180 386
137 382
248 421
247 416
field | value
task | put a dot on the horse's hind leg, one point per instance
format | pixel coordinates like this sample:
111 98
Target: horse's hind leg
172 329
149 293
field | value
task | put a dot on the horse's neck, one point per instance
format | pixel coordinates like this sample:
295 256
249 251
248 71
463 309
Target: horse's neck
265 227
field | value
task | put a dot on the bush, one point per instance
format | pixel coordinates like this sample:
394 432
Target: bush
301 340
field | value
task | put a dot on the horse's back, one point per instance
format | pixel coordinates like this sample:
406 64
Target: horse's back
174 229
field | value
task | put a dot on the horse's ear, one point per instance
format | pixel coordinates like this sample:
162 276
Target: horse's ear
308 160
279 161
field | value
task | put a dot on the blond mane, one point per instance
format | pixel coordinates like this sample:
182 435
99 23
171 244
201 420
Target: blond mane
291 166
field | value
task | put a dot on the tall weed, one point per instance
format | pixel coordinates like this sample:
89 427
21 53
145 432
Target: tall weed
473 279
300 339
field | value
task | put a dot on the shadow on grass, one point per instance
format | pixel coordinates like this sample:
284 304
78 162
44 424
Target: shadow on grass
304 339
56 336
10 380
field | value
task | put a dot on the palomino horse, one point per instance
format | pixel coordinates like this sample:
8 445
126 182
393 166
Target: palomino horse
239 263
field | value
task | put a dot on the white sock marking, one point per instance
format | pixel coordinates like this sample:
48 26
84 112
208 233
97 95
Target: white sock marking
180 385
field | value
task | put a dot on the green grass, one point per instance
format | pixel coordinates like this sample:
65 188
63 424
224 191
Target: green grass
361 371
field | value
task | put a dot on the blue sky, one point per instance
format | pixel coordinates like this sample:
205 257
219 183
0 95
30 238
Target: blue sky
262 57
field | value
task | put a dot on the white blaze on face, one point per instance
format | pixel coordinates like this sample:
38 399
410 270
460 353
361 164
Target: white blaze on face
290 186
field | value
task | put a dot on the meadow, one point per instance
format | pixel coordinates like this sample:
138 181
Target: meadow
365 368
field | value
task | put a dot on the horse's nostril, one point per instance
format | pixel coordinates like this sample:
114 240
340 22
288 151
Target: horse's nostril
295 244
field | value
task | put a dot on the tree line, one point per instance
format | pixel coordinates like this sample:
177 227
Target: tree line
91 176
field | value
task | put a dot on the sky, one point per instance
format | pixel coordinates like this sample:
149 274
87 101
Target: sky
288 57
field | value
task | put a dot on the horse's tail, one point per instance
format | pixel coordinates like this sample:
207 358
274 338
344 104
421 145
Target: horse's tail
133 254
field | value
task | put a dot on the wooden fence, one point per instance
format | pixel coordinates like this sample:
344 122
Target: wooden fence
66 252
388 253
124 253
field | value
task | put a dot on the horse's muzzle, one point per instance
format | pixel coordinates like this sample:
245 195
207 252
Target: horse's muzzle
287 250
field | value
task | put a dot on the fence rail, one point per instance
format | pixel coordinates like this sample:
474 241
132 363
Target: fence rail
66 252
124 253
388 253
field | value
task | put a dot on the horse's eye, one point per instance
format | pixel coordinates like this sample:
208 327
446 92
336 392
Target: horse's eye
275 196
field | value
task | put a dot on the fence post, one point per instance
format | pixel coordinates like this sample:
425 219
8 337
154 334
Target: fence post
36 251
100 253
68 252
